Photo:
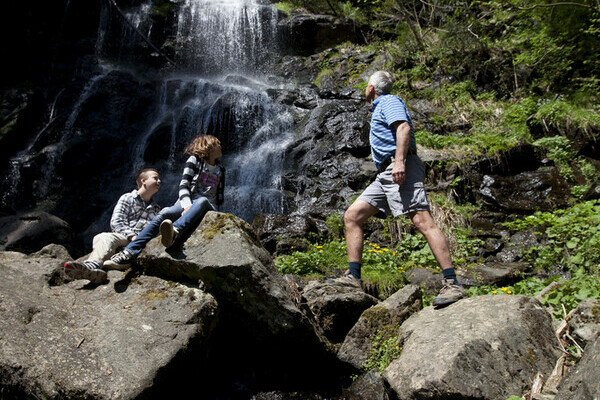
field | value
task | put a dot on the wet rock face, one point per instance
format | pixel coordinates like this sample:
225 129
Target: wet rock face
544 189
309 34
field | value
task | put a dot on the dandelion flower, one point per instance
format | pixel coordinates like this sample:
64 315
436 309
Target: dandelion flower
509 292
495 291
504 289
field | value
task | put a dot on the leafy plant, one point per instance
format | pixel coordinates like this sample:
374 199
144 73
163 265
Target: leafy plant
572 237
385 349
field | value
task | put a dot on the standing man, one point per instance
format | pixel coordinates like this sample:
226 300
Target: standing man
398 187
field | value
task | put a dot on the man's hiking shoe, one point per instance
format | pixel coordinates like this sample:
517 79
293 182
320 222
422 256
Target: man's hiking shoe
346 280
168 234
122 260
449 294
85 270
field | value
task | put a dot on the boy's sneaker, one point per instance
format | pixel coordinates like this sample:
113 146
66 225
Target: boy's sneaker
86 270
450 293
346 280
168 234
122 260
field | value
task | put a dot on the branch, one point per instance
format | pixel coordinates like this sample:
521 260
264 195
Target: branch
554 5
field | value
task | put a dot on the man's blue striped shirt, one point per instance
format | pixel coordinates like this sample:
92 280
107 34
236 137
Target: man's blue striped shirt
387 109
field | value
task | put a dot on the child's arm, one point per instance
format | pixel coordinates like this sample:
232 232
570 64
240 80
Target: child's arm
119 222
190 170
221 189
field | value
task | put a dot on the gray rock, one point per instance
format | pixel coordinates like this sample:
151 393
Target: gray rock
583 382
80 341
431 283
486 347
385 317
30 232
260 325
495 273
369 386
585 322
336 308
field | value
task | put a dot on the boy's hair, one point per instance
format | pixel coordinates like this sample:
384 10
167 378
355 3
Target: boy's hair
201 146
382 82
143 174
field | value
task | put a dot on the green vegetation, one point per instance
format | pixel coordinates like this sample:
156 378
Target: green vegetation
567 293
385 349
572 237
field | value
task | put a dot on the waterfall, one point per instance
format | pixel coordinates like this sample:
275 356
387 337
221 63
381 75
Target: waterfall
226 35
224 49
254 133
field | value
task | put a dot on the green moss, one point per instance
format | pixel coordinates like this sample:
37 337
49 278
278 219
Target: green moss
154 294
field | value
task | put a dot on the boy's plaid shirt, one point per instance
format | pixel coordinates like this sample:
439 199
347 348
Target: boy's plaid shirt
132 213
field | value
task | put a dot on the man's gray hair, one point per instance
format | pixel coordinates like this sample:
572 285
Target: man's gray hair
382 82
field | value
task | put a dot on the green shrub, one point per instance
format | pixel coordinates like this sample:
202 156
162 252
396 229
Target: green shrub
572 237
569 293
385 349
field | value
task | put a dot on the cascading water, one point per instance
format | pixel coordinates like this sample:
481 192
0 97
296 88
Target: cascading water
234 38
223 47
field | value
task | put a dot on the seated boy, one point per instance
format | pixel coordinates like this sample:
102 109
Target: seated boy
131 214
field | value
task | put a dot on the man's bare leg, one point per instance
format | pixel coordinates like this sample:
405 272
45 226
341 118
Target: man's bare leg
434 236
354 218
452 291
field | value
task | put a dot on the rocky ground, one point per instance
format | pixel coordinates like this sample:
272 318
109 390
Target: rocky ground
217 319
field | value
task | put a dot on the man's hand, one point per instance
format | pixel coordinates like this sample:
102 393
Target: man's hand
399 172
132 238
186 209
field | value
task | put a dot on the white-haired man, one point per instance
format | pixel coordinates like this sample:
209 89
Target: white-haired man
398 187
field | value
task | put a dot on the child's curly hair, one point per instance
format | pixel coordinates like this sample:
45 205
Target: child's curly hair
201 146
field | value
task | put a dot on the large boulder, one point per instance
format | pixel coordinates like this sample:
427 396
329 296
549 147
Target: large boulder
128 339
274 343
384 318
30 232
583 382
336 308
486 347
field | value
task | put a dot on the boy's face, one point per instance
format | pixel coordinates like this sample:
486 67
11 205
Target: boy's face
152 182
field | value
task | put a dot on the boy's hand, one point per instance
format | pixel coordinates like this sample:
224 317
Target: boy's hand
186 209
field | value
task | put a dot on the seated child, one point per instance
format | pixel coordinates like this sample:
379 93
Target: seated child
200 190
133 212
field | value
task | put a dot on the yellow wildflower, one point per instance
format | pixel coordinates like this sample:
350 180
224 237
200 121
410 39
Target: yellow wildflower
504 289
495 291
509 292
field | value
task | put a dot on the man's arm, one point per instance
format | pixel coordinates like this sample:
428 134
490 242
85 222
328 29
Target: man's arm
402 129
119 222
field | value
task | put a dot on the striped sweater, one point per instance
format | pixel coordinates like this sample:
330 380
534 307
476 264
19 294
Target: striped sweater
201 179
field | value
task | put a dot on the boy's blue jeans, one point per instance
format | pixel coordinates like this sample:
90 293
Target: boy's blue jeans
185 224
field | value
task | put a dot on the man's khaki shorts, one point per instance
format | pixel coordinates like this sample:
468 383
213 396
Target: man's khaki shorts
388 197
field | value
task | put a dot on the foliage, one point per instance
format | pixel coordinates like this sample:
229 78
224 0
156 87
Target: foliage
568 293
320 259
385 349
285 7
335 224
572 237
